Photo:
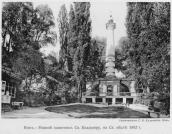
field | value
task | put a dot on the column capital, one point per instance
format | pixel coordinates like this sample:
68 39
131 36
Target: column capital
110 24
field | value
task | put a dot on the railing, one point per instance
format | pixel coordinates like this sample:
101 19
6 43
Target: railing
124 93
109 94
112 94
90 94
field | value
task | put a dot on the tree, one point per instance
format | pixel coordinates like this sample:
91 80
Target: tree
42 24
83 29
122 58
24 28
63 36
25 31
15 25
95 66
29 64
72 37
148 28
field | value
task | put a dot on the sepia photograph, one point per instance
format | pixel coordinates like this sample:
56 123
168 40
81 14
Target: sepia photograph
80 60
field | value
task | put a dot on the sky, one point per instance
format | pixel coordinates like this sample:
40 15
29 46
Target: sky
100 12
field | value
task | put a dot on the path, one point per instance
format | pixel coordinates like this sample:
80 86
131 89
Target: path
30 112
37 112
143 109
40 112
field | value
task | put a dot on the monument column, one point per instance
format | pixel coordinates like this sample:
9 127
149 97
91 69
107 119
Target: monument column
110 49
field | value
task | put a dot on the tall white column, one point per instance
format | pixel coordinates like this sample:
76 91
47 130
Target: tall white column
110 48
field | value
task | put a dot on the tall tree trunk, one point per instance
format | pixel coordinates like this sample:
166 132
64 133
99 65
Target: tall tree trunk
81 87
79 90
26 89
30 82
80 99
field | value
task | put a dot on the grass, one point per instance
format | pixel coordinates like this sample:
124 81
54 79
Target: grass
88 111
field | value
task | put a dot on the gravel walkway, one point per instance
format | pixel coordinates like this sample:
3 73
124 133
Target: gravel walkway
29 112
40 112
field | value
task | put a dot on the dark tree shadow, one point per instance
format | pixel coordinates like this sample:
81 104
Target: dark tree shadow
87 111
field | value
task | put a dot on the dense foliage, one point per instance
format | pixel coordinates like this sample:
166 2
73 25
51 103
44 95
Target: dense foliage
24 31
148 49
63 36
75 41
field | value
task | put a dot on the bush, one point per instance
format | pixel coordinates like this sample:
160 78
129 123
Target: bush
165 109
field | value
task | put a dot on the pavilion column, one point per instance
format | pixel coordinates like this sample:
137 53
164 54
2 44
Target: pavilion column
93 100
83 99
124 100
115 90
132 88
104 100
113 100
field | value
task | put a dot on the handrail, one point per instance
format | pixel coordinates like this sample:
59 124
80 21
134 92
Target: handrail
111 93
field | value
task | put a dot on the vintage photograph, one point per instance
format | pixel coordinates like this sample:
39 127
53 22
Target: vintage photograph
93 59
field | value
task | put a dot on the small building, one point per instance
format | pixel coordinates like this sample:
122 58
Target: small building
10 85
111 91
